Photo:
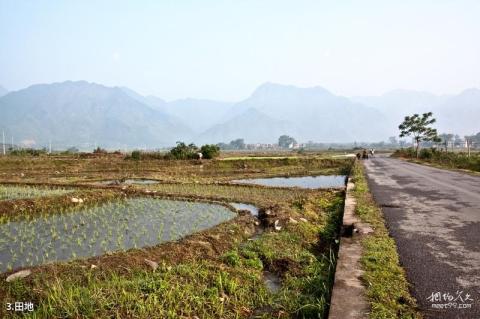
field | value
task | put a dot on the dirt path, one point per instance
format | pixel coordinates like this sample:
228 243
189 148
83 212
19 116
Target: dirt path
434 217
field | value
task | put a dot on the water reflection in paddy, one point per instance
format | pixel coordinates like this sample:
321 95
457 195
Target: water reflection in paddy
114 226
309 182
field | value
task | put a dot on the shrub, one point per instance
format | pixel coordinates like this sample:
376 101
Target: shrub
28 151
99 150
210 151
426 153
183 151
446 159
136 155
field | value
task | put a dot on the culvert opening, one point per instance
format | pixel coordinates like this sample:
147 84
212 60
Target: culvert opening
347 230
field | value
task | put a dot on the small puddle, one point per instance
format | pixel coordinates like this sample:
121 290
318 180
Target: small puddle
308 182
272 281
242 206
141 181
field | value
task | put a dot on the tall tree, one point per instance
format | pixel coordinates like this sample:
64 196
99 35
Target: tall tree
446 139
285 141
238 144
419 127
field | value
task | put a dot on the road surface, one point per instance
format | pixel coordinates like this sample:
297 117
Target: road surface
434 217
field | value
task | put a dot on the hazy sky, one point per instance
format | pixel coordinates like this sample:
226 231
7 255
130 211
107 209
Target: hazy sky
224 49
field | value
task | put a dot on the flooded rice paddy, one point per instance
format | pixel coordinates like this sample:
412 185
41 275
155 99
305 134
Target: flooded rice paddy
309 182
114 226
24 192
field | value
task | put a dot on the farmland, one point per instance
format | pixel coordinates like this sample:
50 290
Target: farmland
170 248
12 192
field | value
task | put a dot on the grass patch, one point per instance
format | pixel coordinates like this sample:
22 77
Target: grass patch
23 192
303 256
201 289
440 159
387 287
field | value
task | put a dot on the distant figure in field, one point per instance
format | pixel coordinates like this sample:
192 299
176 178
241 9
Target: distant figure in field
372 152
359 156
365 154
199 156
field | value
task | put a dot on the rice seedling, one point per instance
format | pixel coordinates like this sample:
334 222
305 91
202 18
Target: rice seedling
20 192
193 279
118 225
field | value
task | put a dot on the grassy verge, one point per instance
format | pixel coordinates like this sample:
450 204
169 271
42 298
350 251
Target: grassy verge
440 159
303 256
387 287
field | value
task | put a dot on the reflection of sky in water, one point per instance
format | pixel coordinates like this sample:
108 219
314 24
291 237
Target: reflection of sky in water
311 182
242 206
118 225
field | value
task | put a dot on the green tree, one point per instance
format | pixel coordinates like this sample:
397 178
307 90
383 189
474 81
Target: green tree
238 144
285 141
100 150
419 127
136 155
183 151
445 139
210 151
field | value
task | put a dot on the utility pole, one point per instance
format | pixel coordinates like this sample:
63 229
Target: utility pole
3 135
469 144
49 146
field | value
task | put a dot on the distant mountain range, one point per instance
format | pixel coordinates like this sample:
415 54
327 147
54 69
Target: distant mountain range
459 114
86 114
3 91
314 114
81 113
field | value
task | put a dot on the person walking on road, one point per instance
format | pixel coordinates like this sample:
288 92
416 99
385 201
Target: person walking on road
365 154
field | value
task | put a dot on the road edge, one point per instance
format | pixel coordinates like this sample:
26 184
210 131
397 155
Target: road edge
349 293
388 291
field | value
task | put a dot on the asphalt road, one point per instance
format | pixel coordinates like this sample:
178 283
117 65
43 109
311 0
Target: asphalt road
434 217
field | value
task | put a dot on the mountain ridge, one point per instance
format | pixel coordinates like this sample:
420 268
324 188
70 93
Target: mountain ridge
79 112
3 91
73 113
